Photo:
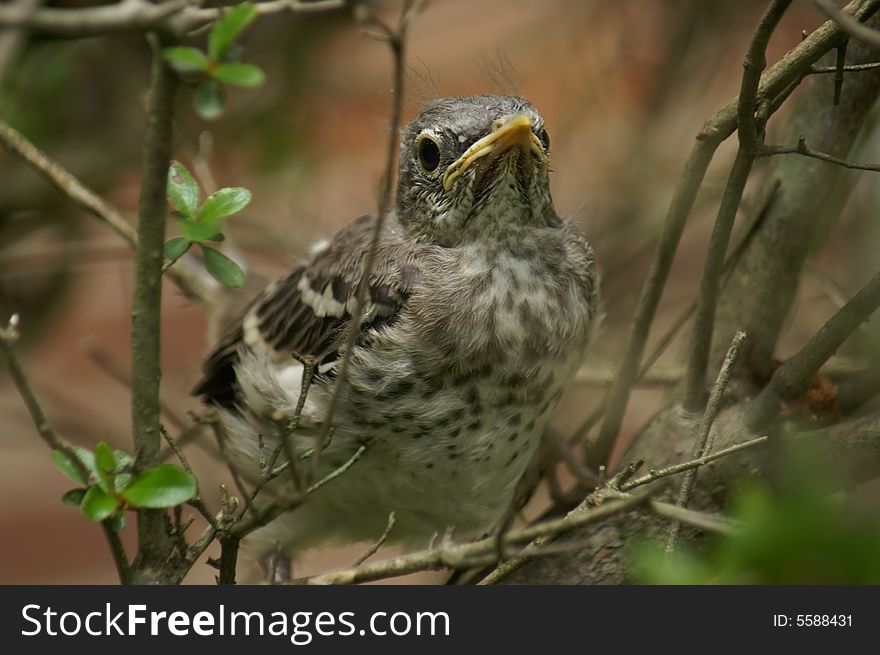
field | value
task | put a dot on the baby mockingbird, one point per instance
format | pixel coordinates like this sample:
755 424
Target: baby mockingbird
481 301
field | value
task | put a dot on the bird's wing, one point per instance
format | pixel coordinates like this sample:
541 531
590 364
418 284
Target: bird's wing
308 312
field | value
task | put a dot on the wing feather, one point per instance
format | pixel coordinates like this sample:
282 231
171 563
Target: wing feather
308 312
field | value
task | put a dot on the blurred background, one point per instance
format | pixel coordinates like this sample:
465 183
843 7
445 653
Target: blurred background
623 86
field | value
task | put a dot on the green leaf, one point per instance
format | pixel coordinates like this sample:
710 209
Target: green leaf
197 232
96 505
64 464
209 100
222 268
74 497
185 60
183 189
162 486
175 248
224 203
116 522
239 74
124 461
228 27
106 467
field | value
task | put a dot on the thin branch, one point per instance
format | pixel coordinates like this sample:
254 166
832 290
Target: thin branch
622 483
335 473
803 149
8 337
792 379
267 514
217 425
750 134
177 17
848 23
118 372
703 442
700 520
374 548
153 541
117 551
850 68
656 474
396 40
187 279
776 83
462 556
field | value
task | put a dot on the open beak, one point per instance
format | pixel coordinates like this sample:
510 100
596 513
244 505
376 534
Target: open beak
508 132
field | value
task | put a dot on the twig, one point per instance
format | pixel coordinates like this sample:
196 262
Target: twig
396 40
372 550
188 280
216 424
308 364
8 337
335 473
153 541
176 16
757 215
839 76
118 372
656 474
117 551
803 149
703 442
267 514
848 23
700 520
850 68
792 379
750 134
461 556
776 83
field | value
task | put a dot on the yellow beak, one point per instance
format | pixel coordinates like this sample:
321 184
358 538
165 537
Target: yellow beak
508 132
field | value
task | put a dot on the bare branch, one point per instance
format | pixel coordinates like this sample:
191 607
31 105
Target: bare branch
700 520
792 379
396 41
177 17
750 134
776 83
848 23
188 280
373 549
8 337
153 541
803 149
656 474
703 442
462 556
850 68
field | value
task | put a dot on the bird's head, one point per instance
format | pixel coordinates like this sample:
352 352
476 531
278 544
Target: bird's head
474 167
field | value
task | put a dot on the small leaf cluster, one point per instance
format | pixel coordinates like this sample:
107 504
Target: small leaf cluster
200 223
111 487
220 64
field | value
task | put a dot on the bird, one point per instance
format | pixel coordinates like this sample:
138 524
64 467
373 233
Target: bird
478 309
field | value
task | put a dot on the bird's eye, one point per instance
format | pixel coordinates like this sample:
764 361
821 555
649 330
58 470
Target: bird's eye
429 153
544 138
